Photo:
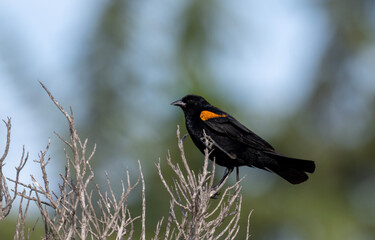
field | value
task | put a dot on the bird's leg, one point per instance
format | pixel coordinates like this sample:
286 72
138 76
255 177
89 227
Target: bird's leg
227 172
238 173
238 179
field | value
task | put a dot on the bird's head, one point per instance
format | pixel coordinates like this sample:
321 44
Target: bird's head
191 103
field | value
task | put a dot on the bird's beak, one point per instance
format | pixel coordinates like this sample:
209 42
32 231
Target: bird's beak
178 103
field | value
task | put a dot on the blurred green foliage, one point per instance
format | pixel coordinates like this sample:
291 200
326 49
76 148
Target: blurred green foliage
125 117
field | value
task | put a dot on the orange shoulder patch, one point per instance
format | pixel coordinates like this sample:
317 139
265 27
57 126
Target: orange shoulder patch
205 115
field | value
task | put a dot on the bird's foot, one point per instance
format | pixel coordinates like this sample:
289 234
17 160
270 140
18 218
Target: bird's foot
184 137
214 194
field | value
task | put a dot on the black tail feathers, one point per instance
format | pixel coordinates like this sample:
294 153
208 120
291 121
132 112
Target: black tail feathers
291 175
291 169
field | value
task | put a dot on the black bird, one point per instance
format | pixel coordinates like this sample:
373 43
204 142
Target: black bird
234 145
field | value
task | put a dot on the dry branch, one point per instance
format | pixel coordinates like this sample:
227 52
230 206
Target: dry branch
6 200
72 213
201 217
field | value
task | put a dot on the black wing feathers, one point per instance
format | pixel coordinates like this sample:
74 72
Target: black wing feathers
230 127
291 169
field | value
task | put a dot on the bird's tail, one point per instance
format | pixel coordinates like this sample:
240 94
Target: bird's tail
291 169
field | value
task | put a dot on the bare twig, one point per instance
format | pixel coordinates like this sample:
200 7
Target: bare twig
248 226
4 190
143 237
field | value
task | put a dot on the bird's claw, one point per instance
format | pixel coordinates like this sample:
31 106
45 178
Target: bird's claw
184 137
215 195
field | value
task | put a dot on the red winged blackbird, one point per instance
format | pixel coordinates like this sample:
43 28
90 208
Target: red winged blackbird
234 145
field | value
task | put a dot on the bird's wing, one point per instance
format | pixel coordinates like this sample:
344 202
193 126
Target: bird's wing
232 128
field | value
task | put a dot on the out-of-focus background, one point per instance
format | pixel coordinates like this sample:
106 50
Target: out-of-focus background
301 74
